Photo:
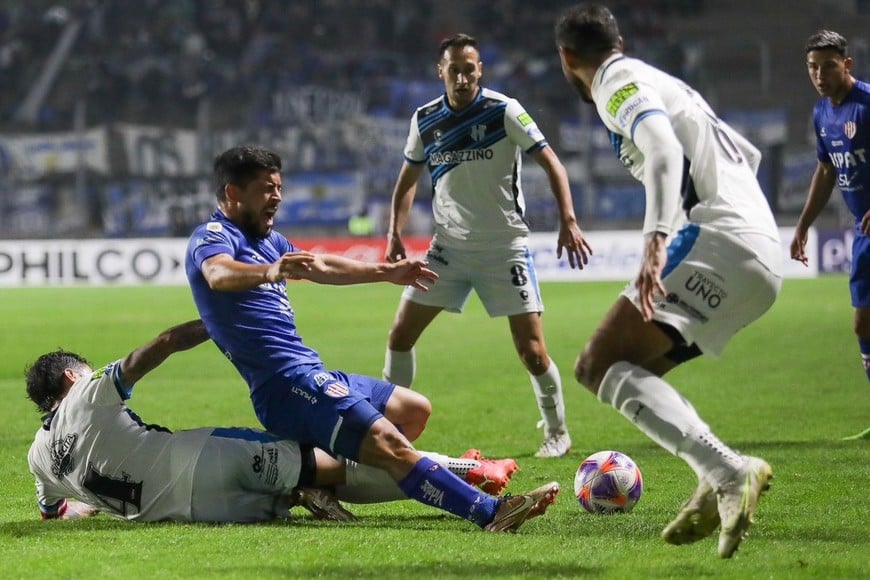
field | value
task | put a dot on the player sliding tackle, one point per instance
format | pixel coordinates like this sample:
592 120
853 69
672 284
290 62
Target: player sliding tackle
93 448
237 266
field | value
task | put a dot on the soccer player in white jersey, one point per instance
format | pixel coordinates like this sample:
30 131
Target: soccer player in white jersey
720 271
842 123
94 448
472 140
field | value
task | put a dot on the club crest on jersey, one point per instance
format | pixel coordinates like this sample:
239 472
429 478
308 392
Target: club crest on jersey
61 456
478 132
337 390
850 128
437 134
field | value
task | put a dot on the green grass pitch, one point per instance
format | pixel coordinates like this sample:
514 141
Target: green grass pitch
787 388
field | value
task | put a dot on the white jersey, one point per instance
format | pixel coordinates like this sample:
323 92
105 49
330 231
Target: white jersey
720 189
475 159
94 448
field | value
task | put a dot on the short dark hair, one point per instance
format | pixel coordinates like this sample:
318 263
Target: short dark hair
240 165
45 385
587 30
456 41
828 40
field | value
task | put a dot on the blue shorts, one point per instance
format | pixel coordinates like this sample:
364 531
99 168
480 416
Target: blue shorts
859 281
327 409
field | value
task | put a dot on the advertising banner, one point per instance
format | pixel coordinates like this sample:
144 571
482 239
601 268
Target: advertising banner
161 260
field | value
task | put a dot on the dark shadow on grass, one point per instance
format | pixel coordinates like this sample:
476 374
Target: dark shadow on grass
465 569
416 523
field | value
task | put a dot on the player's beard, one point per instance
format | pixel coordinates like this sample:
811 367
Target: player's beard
254 224
582 89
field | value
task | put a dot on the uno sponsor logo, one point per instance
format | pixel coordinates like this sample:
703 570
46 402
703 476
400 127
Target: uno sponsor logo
337 390
620 97
709 291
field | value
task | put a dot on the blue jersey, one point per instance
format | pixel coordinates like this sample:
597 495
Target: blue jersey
843 139
255 328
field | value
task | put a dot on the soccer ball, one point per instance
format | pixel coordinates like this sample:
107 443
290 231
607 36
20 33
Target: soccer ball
608 482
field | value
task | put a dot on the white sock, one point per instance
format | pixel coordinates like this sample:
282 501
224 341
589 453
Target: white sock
668 419
457 465
364 484
399 367
548 392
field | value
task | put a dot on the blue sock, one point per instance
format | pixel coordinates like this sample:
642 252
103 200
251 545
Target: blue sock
431 484
864 345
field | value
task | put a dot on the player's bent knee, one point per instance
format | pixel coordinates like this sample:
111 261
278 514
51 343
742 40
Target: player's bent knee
586 374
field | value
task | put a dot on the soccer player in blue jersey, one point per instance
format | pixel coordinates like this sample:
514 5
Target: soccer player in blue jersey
842 123
711 264
472 139
237 266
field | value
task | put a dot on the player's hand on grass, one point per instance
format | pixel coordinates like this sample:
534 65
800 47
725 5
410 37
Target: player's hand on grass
76 510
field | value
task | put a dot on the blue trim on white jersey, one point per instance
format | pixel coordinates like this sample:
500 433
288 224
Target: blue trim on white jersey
680 247
537 147
124 390
533 275
643 116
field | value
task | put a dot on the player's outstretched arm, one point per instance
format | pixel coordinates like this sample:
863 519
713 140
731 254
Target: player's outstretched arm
338 270
150 355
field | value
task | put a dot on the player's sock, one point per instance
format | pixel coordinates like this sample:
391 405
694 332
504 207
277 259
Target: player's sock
365 484
864 345
548 391
456 465
399 367
431 484
668 419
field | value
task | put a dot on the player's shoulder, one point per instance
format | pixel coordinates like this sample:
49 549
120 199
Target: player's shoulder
492 95
861 92
432 106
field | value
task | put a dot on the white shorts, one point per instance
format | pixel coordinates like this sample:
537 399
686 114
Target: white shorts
244 475
503 277
716 284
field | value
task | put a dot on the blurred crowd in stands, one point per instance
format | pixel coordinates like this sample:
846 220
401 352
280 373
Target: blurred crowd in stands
154 60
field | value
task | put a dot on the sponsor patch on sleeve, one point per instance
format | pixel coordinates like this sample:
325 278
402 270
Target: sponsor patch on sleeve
214 227
619 97
525 119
